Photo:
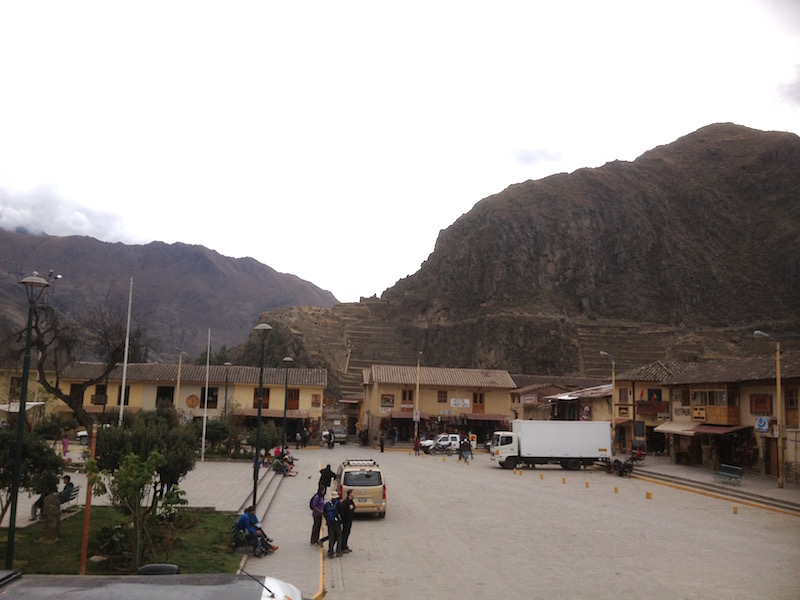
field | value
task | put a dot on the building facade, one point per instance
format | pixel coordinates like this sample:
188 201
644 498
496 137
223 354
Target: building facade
399 400
231 391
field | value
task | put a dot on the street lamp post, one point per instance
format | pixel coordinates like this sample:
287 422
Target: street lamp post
613 384
416 403
262 329
287 362
778 400
227 366
34 287
178 383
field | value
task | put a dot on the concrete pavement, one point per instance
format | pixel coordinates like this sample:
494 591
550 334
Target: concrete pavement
228 486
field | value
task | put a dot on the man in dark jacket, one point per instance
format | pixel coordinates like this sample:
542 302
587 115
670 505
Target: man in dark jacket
326 475
348 510
333 518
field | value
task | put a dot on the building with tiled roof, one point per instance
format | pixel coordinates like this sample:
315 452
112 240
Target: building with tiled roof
468 400
232 390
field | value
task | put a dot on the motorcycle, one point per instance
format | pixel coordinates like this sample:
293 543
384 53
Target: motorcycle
624 469
439 449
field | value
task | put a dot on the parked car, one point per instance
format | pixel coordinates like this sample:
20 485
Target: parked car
365 477
442 441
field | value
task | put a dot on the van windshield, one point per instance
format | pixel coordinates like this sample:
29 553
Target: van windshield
362 478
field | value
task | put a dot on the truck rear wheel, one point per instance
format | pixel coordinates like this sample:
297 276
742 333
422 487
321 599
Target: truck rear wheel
571 464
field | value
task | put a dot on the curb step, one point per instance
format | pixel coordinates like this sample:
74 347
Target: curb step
729 491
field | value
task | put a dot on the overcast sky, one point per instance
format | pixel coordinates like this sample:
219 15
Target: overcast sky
334 140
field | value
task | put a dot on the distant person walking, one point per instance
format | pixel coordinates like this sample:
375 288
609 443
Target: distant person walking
383 439
416 446
348 510
298 438
317 512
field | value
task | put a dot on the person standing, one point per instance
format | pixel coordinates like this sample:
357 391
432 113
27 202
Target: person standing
317 511
348 510
416 446
333 518
383 439
64 445
298 439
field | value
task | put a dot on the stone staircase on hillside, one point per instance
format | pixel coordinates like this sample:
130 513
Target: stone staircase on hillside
626 343
371 341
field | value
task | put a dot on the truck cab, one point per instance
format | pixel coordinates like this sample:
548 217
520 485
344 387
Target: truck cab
445 440
503 444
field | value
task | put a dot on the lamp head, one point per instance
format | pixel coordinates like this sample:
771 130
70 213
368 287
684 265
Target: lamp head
287 361
34 286
764 334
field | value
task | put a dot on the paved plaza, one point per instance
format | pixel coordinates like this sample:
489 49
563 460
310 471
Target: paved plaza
456 530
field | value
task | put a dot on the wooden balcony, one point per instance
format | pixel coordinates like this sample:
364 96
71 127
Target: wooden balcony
723 415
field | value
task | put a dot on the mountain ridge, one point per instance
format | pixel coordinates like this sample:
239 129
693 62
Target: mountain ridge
180 290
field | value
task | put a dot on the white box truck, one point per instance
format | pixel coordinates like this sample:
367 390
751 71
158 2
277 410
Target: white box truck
571 444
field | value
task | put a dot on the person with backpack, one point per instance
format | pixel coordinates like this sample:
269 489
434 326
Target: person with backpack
333 518
317 506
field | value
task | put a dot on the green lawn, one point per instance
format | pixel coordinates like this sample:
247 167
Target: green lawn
198 542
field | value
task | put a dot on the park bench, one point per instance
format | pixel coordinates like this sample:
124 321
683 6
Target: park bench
71 500
729 474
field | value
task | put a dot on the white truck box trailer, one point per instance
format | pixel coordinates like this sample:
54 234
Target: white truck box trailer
571 444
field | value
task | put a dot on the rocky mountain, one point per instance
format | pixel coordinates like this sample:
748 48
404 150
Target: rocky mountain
679 254
179 291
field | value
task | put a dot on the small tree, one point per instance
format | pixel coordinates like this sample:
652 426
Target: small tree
162 431
41 466
218 433
128 486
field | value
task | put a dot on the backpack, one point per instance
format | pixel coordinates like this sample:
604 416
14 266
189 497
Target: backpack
311 502
331 512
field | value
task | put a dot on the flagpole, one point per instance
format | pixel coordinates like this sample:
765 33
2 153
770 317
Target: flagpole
125 359
205 401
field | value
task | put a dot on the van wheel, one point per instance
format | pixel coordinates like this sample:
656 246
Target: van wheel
382 515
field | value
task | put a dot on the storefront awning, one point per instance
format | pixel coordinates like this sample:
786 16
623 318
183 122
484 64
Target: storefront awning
407 414
619 422
269 413
484 417
676 428
718 429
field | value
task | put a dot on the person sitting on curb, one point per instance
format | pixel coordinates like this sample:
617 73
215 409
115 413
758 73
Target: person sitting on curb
266 541
246 524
